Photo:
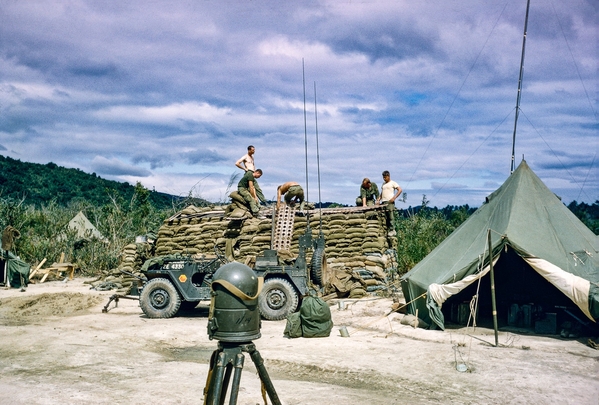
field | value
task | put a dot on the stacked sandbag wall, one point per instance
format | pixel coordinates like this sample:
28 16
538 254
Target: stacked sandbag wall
355 240
127 274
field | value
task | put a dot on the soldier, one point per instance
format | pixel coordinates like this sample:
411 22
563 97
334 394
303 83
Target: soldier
389 186
388 197
246 162
249 189
293 194
369 193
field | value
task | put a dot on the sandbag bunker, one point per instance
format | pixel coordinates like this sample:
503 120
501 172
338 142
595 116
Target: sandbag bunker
360 254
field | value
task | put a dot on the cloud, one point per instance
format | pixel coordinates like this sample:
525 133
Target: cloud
203 156
164 114
447 186
115 167
426 90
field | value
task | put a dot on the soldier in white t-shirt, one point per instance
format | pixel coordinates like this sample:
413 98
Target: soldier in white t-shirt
390 191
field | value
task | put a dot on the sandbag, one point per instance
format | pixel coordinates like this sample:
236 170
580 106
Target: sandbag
235 196
414 322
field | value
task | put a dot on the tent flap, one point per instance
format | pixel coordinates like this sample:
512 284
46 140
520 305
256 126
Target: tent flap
574 287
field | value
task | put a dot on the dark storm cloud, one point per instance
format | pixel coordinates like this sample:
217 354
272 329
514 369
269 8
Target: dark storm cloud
387 43
94 70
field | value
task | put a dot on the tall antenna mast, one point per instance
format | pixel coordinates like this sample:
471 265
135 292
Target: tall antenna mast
519 88
305 128
317 156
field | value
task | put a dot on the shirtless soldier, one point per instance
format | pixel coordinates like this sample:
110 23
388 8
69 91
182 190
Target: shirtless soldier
293 194
246 162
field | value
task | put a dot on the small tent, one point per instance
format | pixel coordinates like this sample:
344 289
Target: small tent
84 228
542 253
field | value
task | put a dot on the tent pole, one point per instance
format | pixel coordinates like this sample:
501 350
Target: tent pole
492 275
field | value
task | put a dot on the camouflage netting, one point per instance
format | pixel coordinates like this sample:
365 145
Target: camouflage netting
360 254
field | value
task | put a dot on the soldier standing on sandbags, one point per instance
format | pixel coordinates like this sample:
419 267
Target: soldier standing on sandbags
246 162
293 194
249 189
388 197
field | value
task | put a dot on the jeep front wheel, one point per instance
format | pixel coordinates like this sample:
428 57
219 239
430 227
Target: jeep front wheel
277 300
159 299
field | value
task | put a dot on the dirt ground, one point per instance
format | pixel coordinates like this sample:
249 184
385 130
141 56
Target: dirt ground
57 347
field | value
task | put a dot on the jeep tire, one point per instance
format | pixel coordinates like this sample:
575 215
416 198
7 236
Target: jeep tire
277 300
159 299
318 267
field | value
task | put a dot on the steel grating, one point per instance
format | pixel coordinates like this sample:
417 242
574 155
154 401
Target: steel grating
283 233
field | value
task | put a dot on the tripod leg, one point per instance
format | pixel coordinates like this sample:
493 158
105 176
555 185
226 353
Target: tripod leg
213 397
239 358
257 359
226 379
208 388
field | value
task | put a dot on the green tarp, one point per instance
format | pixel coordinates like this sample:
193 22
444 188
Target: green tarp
17 271
522 216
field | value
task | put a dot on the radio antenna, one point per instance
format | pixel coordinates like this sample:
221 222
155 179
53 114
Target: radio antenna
305 127
317 157
512 167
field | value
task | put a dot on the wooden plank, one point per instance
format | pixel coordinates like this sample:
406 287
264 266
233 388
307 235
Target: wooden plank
36 269
45 277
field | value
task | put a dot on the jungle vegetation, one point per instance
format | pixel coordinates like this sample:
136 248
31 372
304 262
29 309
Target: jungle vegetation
40 200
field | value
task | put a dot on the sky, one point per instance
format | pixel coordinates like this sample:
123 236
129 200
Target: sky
171 93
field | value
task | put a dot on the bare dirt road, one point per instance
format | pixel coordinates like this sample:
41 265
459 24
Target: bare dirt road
57 347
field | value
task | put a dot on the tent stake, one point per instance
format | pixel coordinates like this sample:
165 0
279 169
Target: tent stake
492 275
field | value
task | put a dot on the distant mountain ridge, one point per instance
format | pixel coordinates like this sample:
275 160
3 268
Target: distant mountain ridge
39 184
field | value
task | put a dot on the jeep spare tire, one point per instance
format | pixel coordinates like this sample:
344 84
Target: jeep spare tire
159 299
277 300
318 267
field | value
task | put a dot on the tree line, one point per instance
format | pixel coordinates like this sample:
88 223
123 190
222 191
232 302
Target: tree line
40 200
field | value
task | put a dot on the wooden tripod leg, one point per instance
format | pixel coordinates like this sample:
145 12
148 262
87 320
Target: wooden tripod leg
239 359
257 359
208 387
214 385
219 389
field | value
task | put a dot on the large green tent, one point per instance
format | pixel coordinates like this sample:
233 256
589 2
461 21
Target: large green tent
541 252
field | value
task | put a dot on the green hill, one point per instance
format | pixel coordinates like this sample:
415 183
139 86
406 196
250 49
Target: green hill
39 184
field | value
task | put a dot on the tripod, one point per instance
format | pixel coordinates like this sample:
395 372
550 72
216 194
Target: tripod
222 362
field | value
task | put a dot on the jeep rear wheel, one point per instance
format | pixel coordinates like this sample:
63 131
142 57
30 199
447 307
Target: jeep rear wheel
277 300
159 299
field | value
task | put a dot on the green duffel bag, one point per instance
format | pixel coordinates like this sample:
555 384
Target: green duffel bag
293 329
315 316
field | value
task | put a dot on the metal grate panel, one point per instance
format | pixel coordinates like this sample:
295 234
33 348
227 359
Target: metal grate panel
283 232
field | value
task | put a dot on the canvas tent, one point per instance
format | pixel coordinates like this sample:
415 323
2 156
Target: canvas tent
540 250
84 228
